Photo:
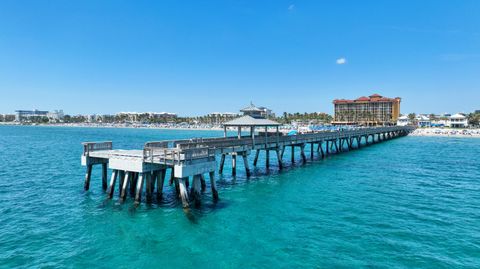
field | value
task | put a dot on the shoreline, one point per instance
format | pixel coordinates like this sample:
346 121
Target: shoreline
116 126
420 132
446 132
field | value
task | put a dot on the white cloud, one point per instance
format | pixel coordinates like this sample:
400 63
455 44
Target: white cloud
341 61
291 7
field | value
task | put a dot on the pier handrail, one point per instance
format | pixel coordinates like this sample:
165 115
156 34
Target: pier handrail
95 146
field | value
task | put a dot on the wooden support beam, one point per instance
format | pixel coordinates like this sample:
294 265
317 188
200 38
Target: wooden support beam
234 164
222 163
88 175
111 188
183 192
123 191
311 151
104 176
213 185
245 163
327 148
196 189
256 157
283 151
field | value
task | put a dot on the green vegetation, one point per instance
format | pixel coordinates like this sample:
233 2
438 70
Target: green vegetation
305 117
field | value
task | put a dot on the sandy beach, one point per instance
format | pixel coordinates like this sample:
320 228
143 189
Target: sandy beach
446 132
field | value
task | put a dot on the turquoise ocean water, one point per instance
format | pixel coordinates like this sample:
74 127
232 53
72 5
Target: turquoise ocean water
412 202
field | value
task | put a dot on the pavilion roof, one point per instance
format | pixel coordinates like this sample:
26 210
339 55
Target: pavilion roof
251 121
252 107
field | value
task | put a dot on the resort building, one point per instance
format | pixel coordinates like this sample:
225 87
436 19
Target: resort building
28 115
372 110
457 121
423 121
56 115
403 121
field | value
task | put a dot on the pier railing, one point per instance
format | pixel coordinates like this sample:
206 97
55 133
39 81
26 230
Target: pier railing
95 146
176 155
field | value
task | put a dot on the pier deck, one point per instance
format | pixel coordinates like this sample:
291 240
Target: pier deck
196 157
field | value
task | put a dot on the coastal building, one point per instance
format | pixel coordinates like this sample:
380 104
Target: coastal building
457 121
55 116
372 110
27 115
403 121
423 121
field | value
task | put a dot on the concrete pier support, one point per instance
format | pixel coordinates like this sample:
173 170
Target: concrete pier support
302 153
245 163
88 175
311 151
213 186
320 148
234 164
138 192
256 157
111 188
293 154
196 189
327 148
183 192
336 146
279 159
121 178
222 163
133 183
160 182
104 176
123 190
267 158
148 186
203 183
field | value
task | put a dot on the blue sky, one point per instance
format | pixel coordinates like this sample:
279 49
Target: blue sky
196 57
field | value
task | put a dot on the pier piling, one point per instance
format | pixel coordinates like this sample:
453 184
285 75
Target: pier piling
213 186
138 193
183 192
111 188
104 176
160 181
88 175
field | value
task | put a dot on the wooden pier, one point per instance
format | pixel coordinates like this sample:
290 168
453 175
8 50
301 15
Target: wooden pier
143 171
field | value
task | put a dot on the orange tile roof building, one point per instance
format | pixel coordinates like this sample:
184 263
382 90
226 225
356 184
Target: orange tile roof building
372 110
